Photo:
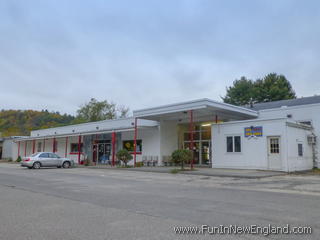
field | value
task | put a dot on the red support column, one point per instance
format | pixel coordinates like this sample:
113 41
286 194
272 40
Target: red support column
191 137
19 149
113 148
216 119
54 145
44 144
66 152
33 146
25 148
135 141
79 149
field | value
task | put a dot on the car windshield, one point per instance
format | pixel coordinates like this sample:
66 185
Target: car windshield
35 154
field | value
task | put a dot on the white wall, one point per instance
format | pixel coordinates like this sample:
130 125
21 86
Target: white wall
168 138
295 162
253 151
309 112
150 141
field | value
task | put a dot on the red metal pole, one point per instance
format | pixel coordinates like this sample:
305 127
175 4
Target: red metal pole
44 144
54 145
25 148
191 136
216 119
18 148
66 152
135 141
113 147
33 145
79 149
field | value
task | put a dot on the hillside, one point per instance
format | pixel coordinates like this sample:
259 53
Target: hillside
18 122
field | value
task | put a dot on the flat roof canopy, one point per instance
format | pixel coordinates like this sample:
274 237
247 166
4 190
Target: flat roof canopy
203 110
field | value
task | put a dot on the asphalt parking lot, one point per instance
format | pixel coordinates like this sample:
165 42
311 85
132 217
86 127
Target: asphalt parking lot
82 203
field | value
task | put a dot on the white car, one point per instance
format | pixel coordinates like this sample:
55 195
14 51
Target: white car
46 159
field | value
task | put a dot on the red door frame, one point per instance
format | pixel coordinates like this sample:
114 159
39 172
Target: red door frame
135 141
33 146
113 147
79 149
54 145
19 149
25 148
66 148
191 145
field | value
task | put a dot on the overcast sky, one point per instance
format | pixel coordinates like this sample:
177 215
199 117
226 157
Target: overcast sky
56 55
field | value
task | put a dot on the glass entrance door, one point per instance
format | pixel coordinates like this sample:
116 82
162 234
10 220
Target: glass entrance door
101 153
201 151
104 152
196 150
205 152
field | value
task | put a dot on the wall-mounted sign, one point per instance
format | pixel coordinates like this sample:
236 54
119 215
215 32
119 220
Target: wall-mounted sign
253 131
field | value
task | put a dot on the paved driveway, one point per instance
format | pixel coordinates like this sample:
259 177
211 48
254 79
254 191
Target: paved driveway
109 204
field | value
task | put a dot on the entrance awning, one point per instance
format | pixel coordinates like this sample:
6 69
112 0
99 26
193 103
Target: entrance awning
203 109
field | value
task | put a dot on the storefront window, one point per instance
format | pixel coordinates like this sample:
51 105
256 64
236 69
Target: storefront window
129 145
74 147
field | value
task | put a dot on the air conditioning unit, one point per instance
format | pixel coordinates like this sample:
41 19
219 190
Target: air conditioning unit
312 139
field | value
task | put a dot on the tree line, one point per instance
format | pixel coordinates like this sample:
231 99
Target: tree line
21 122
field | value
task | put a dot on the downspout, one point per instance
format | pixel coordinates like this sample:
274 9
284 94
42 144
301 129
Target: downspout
287 151
314 152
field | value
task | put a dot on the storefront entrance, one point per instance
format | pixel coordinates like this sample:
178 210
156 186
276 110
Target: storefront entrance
102 152
201 151
201 144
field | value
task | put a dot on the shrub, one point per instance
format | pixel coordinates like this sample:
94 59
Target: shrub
124 156
19 159
139 164
181 156
174 171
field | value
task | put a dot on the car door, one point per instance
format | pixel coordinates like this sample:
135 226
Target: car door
53 159
44 159
57 160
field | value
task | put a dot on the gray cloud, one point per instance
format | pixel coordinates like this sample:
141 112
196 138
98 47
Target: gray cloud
57 54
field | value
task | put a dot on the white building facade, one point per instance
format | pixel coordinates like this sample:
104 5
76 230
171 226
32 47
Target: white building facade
272 136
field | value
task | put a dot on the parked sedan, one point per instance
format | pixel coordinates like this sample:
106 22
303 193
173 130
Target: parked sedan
46 159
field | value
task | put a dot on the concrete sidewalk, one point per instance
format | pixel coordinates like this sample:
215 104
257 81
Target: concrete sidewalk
214 172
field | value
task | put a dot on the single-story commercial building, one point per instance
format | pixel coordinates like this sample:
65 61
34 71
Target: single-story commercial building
277 135
8 147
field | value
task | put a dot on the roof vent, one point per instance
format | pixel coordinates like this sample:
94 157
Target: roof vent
97 127
73 130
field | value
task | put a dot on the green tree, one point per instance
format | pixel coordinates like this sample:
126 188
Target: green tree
100 110
124 156
240 93
181 156
272 87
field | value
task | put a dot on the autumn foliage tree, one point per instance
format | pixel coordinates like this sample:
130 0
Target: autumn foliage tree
21 122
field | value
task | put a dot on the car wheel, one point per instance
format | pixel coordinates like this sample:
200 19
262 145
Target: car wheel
66 165
36 165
